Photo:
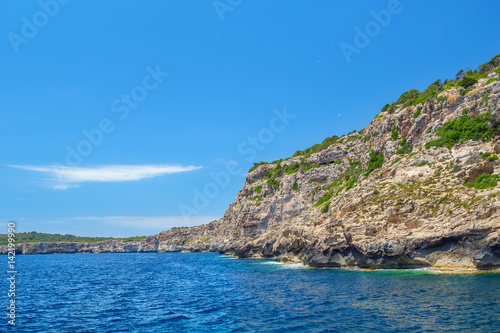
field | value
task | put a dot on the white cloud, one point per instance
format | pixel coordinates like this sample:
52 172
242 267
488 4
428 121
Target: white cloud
63 175
63 186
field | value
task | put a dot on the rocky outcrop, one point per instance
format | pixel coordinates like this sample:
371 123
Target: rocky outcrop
110 246
414 211
339 208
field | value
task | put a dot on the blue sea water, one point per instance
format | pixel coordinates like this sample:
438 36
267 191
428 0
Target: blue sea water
208 292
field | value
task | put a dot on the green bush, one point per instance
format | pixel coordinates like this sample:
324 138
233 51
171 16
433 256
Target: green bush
134 238
490 80
422 163
325 208
324 199
484 181
256 165
467 81
405 147
367 138
465 91
485 97
317 147
306 166
292 168
375 162
335 183
350 183
485 155
394 134
258 189
295 186
463 129
442 98
274 183
417 113
492 158
490 65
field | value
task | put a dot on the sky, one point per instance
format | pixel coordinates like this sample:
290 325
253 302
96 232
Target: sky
122 118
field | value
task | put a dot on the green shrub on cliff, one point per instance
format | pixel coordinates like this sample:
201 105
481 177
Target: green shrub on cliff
394 133
485 155
467 82
306 166
274 183
442 98
325 208
405 147
135 238
491 65
256 165
490 80
417 113
317 147
375 162
484 181
293 168
463 129
324 199
464 92
492 158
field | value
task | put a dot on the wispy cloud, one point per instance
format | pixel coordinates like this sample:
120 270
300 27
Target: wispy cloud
64 177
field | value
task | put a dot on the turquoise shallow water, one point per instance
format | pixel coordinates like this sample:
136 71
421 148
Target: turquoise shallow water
207 292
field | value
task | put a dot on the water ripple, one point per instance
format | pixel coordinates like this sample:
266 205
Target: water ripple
204 292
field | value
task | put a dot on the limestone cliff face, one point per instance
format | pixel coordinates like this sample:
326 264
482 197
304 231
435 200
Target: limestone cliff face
413 211
328 210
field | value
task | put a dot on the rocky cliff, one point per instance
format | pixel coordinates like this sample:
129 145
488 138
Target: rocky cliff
149 244
415 188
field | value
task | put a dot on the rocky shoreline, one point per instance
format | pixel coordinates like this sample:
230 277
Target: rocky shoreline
377 198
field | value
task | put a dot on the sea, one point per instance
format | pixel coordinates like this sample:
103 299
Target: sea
210 292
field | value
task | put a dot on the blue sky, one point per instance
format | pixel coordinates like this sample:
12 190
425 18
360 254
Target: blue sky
171 93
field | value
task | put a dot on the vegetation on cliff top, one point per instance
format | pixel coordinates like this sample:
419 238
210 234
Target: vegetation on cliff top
476 129
462 79
317 147
35 237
